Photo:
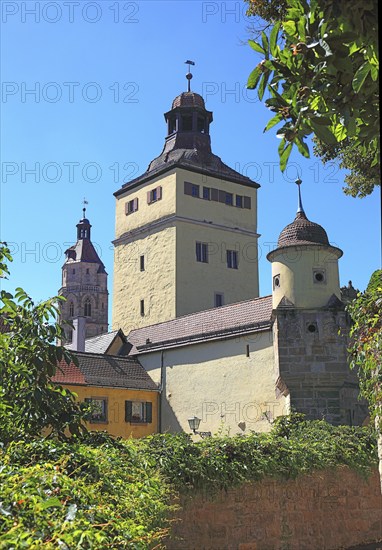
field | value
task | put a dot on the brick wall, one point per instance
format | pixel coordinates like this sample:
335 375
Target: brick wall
326 510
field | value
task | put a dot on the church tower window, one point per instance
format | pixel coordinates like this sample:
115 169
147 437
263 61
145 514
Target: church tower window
87 308
71 309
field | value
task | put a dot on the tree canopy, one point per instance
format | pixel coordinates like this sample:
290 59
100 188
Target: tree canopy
320 67
29 401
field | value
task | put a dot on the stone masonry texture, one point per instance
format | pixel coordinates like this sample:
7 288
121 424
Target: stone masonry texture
326 510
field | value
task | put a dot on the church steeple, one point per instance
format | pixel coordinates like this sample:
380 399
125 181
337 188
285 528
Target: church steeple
84 283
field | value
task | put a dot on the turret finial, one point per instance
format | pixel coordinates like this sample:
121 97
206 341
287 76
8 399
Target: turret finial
300 208
189 75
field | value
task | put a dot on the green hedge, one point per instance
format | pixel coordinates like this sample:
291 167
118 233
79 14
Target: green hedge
103 493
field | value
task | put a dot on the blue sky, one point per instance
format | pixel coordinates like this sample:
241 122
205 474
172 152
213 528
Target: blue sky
103 74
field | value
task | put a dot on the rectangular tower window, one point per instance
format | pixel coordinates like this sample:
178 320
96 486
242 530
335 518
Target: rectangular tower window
219 299
202 252
131 206
154 195
247 202
229 199
239 201
142 263
142 306
195 190
206 193
232 258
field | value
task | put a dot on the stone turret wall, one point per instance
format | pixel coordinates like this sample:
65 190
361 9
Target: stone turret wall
312 365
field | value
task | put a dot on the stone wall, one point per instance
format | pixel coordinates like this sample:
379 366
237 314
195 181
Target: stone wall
312 365
326 510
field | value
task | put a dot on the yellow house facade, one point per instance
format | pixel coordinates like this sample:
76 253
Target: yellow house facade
123 397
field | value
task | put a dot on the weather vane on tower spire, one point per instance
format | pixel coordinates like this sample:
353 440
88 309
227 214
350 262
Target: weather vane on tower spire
189 75
84 208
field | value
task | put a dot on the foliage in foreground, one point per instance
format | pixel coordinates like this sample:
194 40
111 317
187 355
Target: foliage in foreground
29 401
366 343
104 493
320 66
101 494
293 447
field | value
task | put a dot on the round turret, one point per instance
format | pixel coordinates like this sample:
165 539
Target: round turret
304 265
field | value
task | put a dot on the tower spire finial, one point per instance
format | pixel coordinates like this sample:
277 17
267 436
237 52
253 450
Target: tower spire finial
84 208
189 75
300 208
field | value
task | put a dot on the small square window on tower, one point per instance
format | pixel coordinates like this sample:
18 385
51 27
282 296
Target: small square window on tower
219 299
319 276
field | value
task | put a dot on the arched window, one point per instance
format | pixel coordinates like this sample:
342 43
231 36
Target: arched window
71 309
87 308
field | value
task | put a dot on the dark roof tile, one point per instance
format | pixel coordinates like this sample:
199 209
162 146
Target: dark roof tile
204 325
105 370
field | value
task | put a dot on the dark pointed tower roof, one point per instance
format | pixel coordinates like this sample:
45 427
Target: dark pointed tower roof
188 144
83 250
302 231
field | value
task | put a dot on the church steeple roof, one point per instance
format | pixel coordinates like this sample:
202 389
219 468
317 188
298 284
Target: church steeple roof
83 250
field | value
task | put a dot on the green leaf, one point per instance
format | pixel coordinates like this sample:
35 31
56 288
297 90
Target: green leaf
340 132
272 122
255 46
262 85
53 502
264 40
290 28
273 38
285 156
323 133
374 72
360 76
253 78
302 147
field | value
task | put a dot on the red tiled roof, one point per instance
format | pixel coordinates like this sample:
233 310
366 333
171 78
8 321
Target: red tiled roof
105 370
68 374
247 316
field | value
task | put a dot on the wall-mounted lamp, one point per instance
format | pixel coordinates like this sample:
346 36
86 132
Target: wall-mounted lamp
194 423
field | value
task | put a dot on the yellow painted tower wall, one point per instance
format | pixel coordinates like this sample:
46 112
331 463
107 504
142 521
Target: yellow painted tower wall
296 266
165 232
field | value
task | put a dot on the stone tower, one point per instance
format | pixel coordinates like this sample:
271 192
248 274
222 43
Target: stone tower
186 229
84 284
310 325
